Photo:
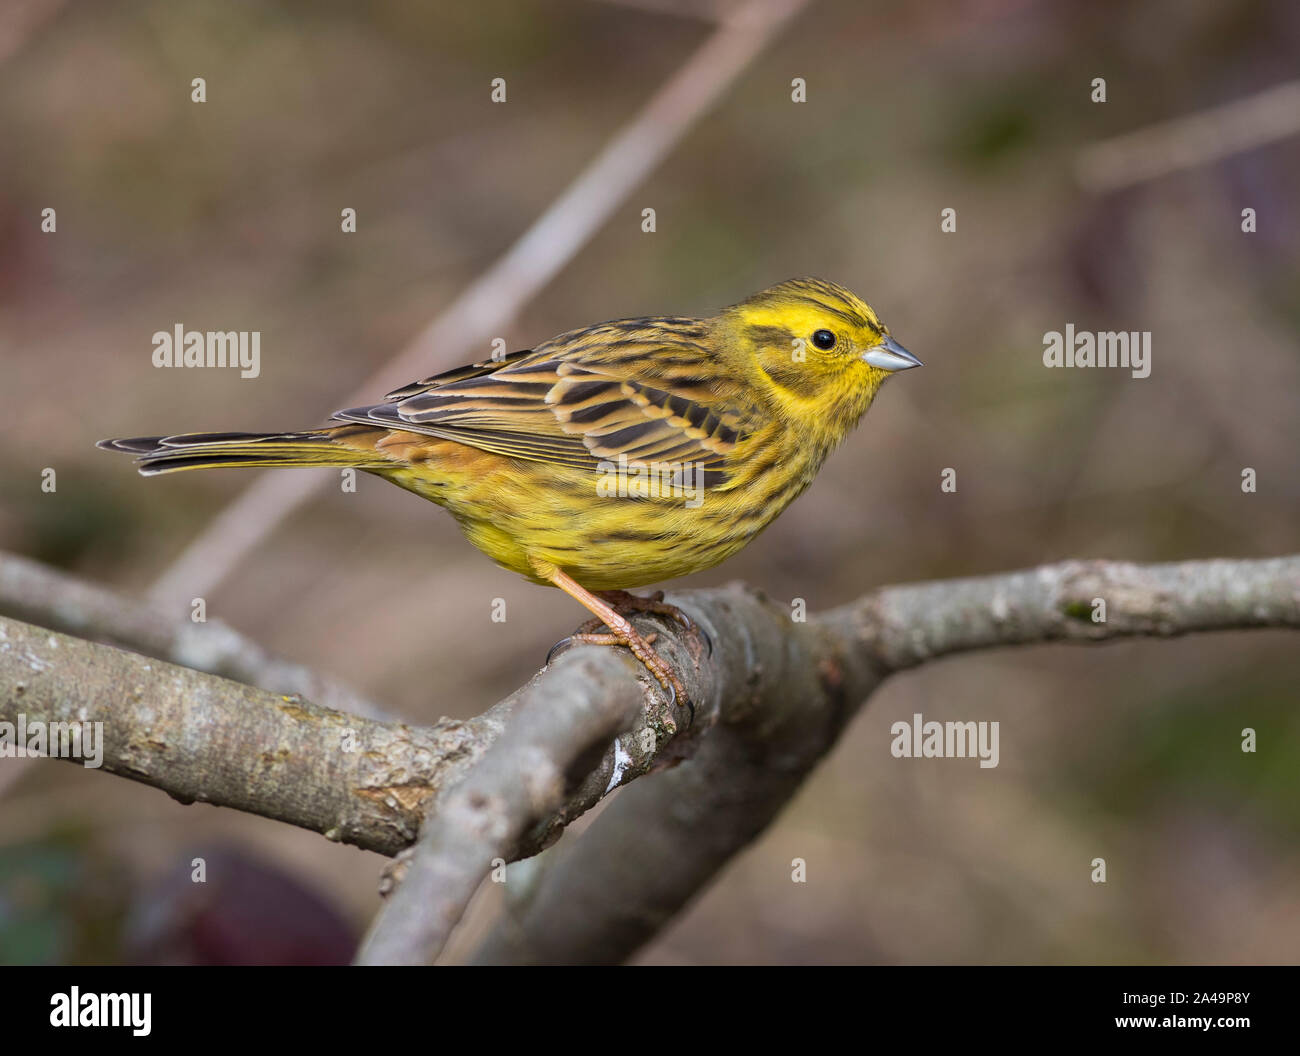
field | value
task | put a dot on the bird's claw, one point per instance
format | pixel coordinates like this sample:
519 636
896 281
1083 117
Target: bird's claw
559 647
708 639
652 661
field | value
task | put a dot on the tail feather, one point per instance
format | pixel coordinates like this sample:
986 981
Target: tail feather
171 454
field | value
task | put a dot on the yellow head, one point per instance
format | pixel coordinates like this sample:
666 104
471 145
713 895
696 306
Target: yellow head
819 351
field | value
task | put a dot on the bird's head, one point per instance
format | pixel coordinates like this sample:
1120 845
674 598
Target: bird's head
819 351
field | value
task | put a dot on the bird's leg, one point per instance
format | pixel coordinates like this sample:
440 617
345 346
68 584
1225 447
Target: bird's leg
621 632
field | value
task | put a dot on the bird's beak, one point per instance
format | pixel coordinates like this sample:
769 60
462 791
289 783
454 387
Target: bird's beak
891 356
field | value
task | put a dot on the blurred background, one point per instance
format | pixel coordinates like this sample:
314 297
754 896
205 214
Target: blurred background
226 215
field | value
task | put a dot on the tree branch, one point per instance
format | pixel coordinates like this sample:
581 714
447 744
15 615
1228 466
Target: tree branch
39 594
907 625
598 899
545 751
203 738
770 701
358 780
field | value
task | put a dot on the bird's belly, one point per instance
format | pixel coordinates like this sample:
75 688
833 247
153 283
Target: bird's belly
517 514
619 545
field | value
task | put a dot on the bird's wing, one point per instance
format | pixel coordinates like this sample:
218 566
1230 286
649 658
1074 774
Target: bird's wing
639 392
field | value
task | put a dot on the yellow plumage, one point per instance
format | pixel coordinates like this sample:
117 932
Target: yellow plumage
615 455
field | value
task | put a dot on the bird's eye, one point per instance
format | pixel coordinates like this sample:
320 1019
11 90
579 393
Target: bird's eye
824 340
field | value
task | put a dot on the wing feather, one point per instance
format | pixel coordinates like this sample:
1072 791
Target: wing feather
639 390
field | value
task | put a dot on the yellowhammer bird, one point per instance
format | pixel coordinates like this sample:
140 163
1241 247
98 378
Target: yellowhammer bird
611 456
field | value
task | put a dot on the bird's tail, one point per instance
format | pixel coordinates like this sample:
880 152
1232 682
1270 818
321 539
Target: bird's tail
171 454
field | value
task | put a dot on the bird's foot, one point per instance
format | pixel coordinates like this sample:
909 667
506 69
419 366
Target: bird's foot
653 662
621 632
625 602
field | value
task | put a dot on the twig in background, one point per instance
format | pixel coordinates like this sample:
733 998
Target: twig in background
700 10
1186 142
32 591
496 296
21 21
